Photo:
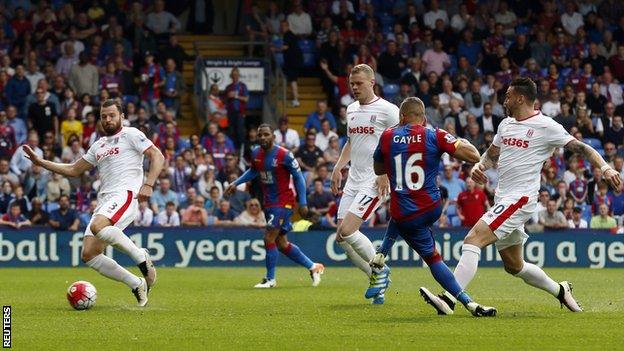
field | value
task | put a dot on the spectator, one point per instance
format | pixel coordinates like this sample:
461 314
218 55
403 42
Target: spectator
64 218
435 59
112 80
551 218
65 63
8 141
161 22
252 216
217 111
195 215
21 199
180 174
434 14
238 198
83 76
14 218
578 188
42 115
57 187
571 20
616 63
6 175
603 220
615 133
332 152
224 213
220 150
237 98
565 117
309 155
577 222
453 184
71 127
293 58
174 87
18 124
286 137
299 21
209 181
320 200
323 136
611 90
316 118
391 63
471 204
38 216
254 26
145 215
552 107
33 75
175 52
617 203
162 196
168 217
201 17
519 52
152 75
17 89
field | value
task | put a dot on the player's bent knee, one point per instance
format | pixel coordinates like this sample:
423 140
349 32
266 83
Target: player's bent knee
98 223
88 255
513 268
480 235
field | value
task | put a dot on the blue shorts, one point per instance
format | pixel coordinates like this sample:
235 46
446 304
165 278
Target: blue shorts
416 232
279 218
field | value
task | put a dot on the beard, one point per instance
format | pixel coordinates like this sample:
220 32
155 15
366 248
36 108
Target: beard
111 129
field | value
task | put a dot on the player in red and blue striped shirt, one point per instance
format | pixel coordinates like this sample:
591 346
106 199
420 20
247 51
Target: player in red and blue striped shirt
409 154
275 165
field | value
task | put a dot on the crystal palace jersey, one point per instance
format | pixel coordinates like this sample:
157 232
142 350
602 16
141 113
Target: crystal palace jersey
365 123
119 159
524 146
275 167
410 154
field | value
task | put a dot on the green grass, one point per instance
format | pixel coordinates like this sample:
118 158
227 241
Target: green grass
211 308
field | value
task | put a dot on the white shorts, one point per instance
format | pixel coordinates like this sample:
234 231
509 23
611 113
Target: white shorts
507 218
120 207
361 201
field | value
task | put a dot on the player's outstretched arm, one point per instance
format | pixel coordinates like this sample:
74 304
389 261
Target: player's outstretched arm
466 152
75 169
610 175
336 176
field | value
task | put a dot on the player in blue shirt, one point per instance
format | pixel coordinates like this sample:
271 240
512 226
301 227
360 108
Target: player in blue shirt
409 154
275 165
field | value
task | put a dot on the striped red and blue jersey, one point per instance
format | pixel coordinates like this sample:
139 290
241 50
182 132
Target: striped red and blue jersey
275 167
410 155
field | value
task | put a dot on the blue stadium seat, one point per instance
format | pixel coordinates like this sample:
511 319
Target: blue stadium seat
309 53
390 91
600 151
593 142
255 101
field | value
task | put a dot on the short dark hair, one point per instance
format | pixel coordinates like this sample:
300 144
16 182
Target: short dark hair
112 102
266 125
525 87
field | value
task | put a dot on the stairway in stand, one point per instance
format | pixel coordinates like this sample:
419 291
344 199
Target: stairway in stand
310 91
188 120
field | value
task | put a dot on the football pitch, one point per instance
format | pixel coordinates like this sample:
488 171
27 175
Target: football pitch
217 308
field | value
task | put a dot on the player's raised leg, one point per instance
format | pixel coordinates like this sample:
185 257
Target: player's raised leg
536 277
270 259
93 256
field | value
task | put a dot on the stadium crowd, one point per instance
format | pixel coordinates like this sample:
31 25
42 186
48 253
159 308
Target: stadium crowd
59 59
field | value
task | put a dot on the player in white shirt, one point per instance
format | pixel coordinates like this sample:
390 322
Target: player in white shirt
119 158
524 141
367 118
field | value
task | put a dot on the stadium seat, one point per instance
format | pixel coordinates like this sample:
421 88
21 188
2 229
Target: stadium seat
593 142
600 151
255 101
390 91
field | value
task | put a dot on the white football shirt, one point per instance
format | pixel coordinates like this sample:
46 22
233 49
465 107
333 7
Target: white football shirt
525 145
365 123
119 159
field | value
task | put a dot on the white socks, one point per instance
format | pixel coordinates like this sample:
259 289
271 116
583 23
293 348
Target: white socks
120 241
359 249
535 276
467 266
107 267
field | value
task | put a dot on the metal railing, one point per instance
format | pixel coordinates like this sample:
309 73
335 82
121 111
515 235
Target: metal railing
274 97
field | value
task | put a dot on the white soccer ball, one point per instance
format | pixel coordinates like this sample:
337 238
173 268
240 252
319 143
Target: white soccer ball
81 295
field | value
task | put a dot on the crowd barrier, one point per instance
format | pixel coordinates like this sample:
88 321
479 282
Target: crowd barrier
235 247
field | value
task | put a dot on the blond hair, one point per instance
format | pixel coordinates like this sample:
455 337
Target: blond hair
364 68
412 106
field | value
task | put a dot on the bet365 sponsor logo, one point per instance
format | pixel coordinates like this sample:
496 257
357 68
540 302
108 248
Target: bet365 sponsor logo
6 327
